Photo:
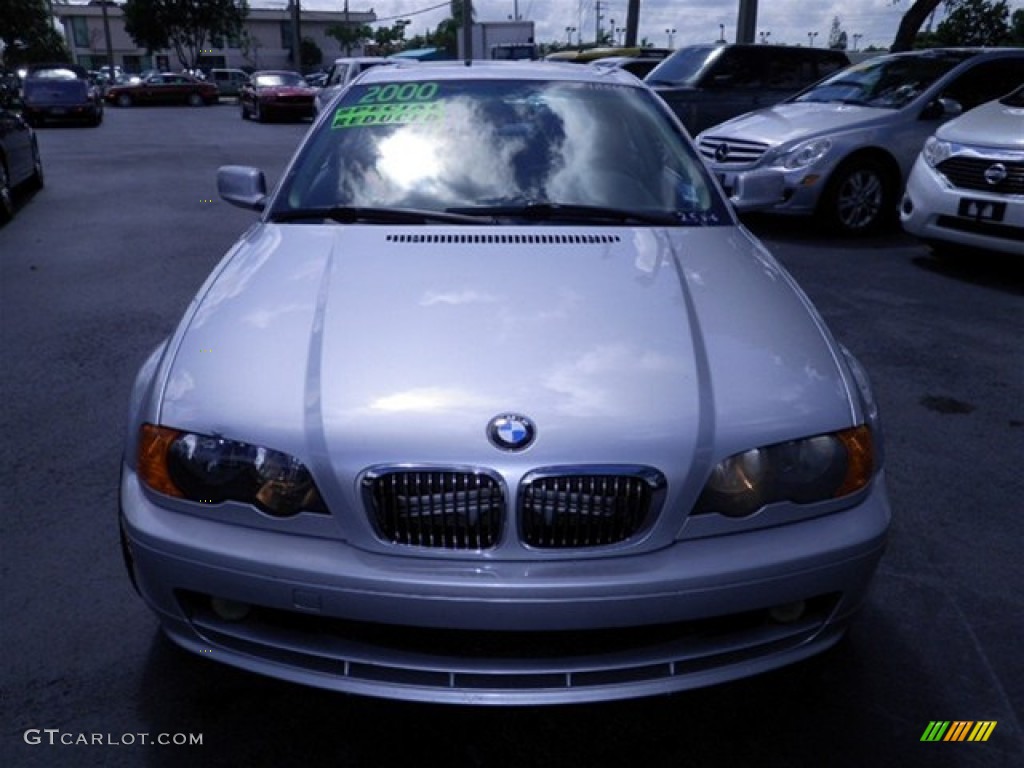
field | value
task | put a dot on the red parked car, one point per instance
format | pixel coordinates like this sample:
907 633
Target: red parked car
275 93
164 88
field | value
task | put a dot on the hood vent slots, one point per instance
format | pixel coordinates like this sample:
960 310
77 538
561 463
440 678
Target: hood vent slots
504 239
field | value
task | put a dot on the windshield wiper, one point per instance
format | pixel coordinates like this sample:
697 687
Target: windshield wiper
568 212
352 214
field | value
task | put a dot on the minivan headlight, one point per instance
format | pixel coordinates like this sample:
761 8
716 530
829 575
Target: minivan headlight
936 151
210 469
804 154
801 471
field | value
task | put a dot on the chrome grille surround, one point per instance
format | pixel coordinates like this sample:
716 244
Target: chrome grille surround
441 508
721 151
966 169
580 507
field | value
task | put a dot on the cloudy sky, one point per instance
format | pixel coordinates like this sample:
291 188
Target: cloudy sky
694 21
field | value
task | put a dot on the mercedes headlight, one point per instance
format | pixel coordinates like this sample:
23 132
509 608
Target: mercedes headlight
936 151
210 469
801 471
804 155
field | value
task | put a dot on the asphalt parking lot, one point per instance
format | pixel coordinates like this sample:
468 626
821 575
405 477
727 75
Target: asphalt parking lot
96 268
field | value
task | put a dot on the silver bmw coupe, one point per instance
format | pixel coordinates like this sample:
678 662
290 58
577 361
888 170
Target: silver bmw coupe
497 403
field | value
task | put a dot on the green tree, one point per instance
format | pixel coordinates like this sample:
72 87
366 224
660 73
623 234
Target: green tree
184 26
350 35
310 54
912 21
448 31
975 22
1017 28
28 35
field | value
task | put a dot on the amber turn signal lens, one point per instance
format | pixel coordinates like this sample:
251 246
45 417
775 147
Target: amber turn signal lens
154 443
860 459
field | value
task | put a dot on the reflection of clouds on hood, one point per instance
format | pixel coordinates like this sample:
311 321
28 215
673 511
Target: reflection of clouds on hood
232 281
596 380
457 159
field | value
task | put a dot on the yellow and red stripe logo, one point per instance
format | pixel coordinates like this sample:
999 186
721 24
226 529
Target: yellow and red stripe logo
958 730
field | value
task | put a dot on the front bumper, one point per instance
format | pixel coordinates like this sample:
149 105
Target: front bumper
772 190
934 210
328 615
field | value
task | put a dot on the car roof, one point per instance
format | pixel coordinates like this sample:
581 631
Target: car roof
497 70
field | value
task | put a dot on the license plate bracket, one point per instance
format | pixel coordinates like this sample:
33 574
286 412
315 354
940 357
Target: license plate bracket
981 210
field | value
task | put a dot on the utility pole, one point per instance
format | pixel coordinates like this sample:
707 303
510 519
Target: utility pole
467 29
746 22
597 22
110 45
632 22
297 35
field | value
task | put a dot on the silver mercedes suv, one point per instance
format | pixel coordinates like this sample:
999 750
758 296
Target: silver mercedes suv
842 149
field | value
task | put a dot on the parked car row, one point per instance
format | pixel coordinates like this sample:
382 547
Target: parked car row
842 149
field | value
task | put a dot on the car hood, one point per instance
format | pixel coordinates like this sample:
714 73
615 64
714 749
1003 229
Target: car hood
792 121
990 125
366 345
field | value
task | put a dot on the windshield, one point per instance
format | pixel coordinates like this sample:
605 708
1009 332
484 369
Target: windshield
683 67
497 147
885 82
278 78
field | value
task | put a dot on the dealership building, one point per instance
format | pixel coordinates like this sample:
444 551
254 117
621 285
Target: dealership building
265 43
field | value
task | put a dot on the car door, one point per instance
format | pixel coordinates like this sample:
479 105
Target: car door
731 86
16 139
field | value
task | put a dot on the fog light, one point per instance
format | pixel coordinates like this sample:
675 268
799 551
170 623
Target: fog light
229 610
789 612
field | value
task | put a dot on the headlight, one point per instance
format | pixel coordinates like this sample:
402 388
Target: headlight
935 151
801 471
805 154
213 469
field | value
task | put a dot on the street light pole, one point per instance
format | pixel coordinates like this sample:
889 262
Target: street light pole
810 38
856 38
671 36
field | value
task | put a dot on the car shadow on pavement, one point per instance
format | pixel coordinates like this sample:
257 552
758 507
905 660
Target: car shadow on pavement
1002 272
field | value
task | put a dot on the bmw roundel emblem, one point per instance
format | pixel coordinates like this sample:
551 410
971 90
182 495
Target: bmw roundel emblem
511 432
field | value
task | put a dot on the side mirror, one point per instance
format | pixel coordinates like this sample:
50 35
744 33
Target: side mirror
242 186
942 108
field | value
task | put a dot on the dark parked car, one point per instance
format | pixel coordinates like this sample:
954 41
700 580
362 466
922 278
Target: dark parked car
20 162
276 93
164 88
52 97
708 84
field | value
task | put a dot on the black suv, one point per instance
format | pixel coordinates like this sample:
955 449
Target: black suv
707 84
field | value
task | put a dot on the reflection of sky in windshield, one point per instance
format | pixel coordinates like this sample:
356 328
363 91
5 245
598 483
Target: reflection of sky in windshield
497 143
451 161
